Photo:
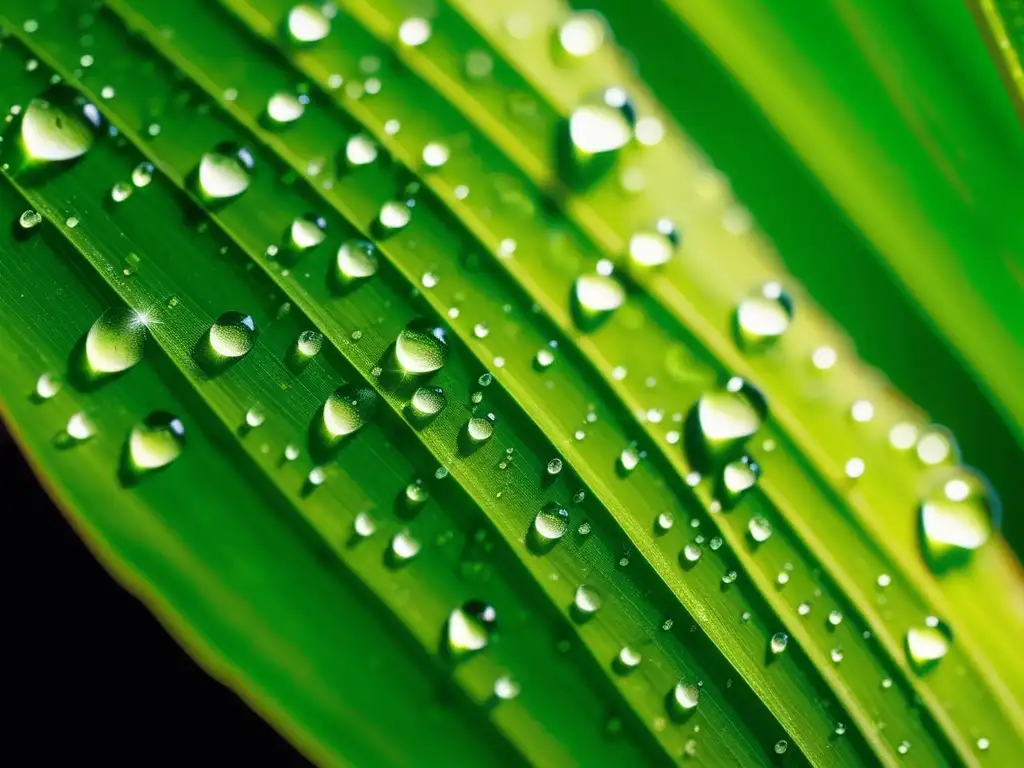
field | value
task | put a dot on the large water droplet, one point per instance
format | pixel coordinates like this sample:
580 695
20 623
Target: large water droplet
603 123
309 343
653 248
357 259
595 297
778 643
421 347
307 231
224 172
586 601
116 341
763 317
759 528
470 627
233 334
928 644
627 660
428 401
307 24
284 107
404 547
736 479
957 516
551 523
721 422
347 409
156 441
80 427
683 699
579 36
480 428
360 150
47 386
56 130
393 216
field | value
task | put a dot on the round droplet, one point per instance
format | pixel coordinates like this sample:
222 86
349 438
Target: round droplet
586 600
628 659
357 259
156 441
360 150
284 108
778 643
47 385
692 553
254 417
937 446
721 422
957 516
684 699
653 248
121 191
598 294
116 340
421 347
414 31
551 522
347 409
224 172
763 317
928 644
363 526
629 458
505 688
580 35
393 216
554 466
404 546
759 528
781 746
55 132
435 154
309 343
233 334
291 452
30 219
471 627
80 427
480 428
544 358
664 522
316 476
416 494
603 123
142 174
307 24
737 478
307 231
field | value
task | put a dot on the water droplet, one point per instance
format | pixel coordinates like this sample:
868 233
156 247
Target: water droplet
928 644
116 340
603 123
30 219
729 577
360 149
551 523
664 522
254 417
654 248
596 296
414 31
554 466
480 330
57 132
156 441
224 172
836 654
737 478
627 660
421 347
80 427
781 746
363 526
835 618
435 154
470 627
307 231
505 688
586 602
416 494
580 35
854 468
309 343
307 24
779 642
428 401
291 452
142 174
721 422
983 744
347 409
840 729
692 553
47 386
393 216
957 516
284 107
684 699
903 747
316 476
357 259
629 458
121 191
937 446
404 547
233 334
480 428
763 317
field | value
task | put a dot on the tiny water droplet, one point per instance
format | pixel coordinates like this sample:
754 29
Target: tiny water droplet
307 24
664 522
363 526
544 358
580 35
47 386
233 335
629 458
927 645
416 494
835 618
307 231
937 446
983 744
505 688
692 553
421 347
156 441
30 219
347 409
840 729
470 627
554 466
779 642
836 654
291 452
737 478
781 746
414 31
435 154
763 317
316 476
116 341
309 343
254 417
586 600
729 577
627 660
602 123
360 149
903 747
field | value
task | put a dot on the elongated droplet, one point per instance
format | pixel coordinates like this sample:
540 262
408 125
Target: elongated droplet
57 130
470 627
224 172
737 478
649 248
116 341
347 409
307 24
928 644
684 699
421 347
957 516
428 401
284 107
721 422
763 317
307 231
156 441
551 522
233 334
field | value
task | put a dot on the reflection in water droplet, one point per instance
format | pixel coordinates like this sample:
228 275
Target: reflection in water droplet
421 347
957 516
52 131
80 427
471 627
393 216
224 172
551 522
307 231
428 401
684 699
763 317
307 24
779 642
357 259
347 409
603 123
759 528
156 441
586 601
284 108
47 386
654 248
233 334
116 340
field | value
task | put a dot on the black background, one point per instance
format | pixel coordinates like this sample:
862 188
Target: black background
96 679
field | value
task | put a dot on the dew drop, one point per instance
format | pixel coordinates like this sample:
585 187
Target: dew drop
357 259
284 107
763 317
225 172
652 248
309 343
729 577
29 219
664 522
596 296
759 528
554 466
551 522
722 420
291 452
781 746
156 441
629 458
55 132
363 526
840 729
121 191
544 358
142 174
927 645
983 744
480 428
627 660
404 547
416 494
470 627
586 601
778 643
692 553
421 347
836 654
414 31
684 699
580 35
435 154
47 385
80 427
254 417
347 409
393 216
937 446
233 335
603 123
316 476
116 340
956 516
737 478
428 401
307 231
307 24
903 747
360 149
835 618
